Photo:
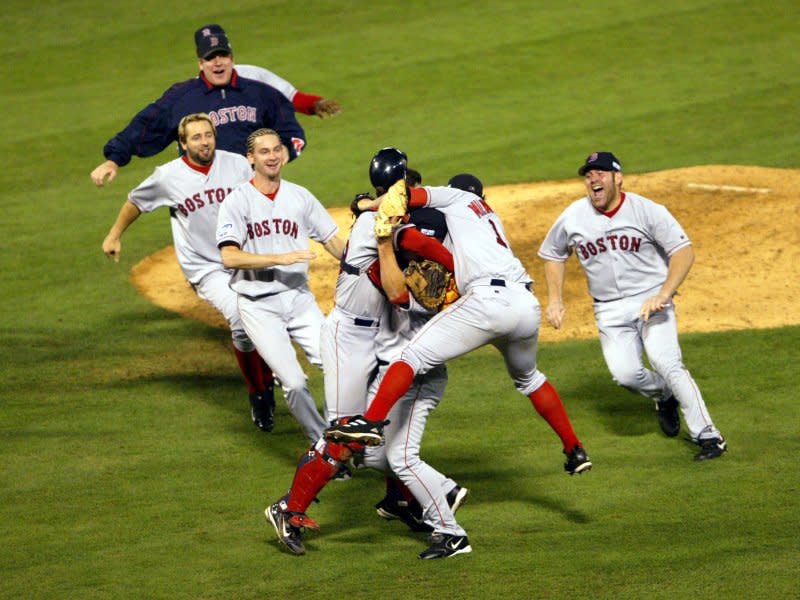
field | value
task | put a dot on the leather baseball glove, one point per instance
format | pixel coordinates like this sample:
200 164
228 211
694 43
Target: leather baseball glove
428 282
393 204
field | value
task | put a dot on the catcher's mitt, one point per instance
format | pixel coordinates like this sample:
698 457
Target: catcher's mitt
428 282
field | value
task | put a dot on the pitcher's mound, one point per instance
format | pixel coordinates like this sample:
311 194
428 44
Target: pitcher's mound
744 223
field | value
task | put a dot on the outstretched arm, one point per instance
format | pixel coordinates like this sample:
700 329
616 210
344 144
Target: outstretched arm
106 169
335 247
112 245
234 257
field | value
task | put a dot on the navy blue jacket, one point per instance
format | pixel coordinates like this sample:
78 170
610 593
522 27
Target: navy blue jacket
236 109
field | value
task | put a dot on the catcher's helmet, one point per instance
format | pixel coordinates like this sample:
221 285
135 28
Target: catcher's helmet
387 166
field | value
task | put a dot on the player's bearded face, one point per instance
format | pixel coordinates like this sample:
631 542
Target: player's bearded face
200 143
218 69
267 156
604 189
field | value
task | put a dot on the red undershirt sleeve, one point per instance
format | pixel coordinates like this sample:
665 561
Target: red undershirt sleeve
304 103
427 247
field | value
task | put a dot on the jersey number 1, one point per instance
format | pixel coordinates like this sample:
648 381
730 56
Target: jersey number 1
498 237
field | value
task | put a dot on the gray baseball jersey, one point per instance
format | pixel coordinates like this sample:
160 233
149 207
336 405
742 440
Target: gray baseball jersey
194 198
621 256
261 225
479 241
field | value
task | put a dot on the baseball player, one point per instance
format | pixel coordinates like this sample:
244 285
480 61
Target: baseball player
237 106
350 358
635 256
193 187
496 307
439 496
263 231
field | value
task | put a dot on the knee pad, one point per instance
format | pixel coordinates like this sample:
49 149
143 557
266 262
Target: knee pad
241 341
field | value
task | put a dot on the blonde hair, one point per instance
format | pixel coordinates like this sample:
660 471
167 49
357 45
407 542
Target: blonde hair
194 118
251 139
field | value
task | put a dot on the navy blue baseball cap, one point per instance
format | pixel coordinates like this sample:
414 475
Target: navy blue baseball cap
600 161
467 183
211 39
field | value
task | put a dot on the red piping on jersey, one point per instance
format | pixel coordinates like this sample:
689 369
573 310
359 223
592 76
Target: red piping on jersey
270 195
199 168
611 213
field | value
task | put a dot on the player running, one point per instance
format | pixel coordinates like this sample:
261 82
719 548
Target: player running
263 231
635 256
193 188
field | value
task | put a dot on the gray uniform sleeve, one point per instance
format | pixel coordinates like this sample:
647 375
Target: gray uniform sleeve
667 232
231 225
151 193
555 245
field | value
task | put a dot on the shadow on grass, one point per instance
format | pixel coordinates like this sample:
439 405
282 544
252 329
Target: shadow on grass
619 411
229 393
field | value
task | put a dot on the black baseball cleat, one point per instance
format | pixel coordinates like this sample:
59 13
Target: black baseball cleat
262 409
444 545
456 497
668 417
357 429
577 461
711 448
289 536
288 527
401 510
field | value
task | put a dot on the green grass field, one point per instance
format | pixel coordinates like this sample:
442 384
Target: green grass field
128 465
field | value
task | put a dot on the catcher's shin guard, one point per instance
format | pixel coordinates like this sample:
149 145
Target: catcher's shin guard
314 471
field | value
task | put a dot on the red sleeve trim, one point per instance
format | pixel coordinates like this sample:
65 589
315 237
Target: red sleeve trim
425 246
418 198
401 300
304 103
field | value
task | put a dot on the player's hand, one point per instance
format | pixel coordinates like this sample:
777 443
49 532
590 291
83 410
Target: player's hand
653 305
298 256
555 314
112 247
106 169
326 108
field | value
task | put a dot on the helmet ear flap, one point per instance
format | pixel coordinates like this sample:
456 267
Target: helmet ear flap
387 166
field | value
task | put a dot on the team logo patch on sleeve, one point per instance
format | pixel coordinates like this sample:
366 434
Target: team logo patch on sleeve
298 145
224 230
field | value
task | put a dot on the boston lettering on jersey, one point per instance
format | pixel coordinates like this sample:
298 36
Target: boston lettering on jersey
232 114
611 242
201 199
272 226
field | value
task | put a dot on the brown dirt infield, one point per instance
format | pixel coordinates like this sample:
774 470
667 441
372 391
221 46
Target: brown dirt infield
744 223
